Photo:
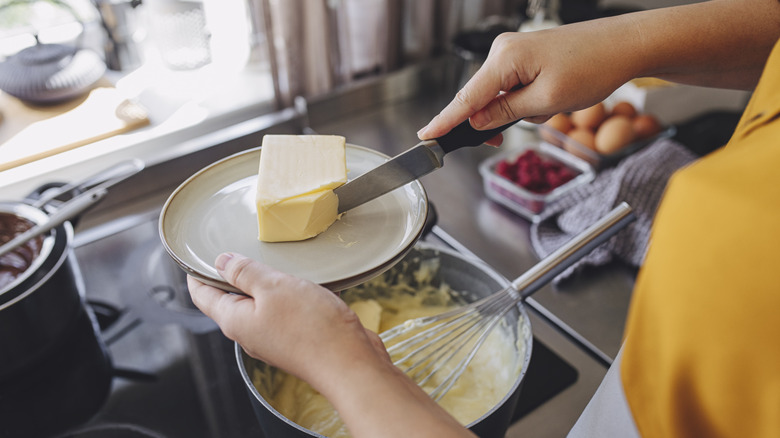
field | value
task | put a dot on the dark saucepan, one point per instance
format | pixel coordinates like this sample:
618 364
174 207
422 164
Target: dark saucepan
42 292
39 303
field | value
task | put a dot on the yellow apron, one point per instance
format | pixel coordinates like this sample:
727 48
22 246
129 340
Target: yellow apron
702 346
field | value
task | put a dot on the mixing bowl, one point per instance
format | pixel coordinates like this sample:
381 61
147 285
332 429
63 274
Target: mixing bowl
469 279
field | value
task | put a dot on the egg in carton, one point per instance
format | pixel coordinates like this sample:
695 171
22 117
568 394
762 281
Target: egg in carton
602 134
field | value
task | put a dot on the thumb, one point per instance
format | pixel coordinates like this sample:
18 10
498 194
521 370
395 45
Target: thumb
240 271
252 277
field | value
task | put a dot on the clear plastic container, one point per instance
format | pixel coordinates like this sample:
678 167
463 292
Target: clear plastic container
527 203
597 160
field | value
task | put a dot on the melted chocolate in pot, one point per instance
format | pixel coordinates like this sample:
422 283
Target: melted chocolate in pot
13 264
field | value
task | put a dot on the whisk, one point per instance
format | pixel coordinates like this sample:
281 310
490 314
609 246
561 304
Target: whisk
446 343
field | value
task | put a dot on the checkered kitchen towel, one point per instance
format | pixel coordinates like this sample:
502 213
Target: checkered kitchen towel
639 180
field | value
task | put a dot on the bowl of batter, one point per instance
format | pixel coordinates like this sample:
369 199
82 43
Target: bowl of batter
427 281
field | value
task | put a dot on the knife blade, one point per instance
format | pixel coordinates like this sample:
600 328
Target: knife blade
425 157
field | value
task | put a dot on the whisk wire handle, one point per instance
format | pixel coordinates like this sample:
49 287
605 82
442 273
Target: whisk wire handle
573 250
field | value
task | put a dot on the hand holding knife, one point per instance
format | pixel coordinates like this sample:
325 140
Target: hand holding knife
425 157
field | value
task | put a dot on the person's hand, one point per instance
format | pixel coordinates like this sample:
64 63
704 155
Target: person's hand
534 76
285 321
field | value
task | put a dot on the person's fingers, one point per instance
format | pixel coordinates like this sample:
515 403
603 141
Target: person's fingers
496 141
499 74
204 296
480 90
217 304
477 93
495 113
537 119
533 103
247 275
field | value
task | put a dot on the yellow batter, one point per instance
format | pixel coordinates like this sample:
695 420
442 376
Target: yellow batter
380 307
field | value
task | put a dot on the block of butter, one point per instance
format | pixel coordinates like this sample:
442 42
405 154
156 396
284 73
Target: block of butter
297 175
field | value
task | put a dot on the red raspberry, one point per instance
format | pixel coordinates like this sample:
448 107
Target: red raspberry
534 172
506 170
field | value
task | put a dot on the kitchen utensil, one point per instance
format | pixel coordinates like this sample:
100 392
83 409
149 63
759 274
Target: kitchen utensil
449 341
26 133
39 306
45 322
214 211
120 21
179 31
50 73
101 180
71 395
67 211
472 279
410 165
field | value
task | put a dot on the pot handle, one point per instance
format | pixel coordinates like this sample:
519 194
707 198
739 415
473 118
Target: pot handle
103 179
68 210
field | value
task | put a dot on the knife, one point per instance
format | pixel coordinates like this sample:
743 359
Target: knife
425 157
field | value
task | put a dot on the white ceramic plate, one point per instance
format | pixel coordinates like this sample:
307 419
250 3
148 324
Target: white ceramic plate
214 211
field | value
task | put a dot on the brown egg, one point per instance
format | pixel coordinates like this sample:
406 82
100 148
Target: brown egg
581 142
645 126
560 123
615 133
590 117
624 108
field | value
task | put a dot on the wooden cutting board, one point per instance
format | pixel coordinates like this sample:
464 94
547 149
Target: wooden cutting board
29 133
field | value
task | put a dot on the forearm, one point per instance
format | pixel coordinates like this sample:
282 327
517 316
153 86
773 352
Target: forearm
717 43
375 399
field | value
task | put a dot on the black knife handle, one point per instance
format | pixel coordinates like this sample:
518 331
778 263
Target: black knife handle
464 135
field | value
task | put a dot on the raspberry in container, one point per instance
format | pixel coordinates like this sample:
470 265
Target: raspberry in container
532 177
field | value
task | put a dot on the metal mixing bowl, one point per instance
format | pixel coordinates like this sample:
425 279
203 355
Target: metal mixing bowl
474 280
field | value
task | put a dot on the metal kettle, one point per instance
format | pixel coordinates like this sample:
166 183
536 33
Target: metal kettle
50 73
